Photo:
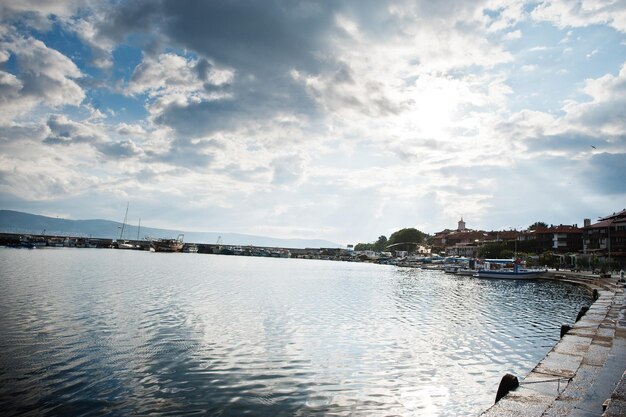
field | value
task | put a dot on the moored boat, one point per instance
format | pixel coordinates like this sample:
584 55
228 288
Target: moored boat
451 269
167 245
511 270
32 242
191 248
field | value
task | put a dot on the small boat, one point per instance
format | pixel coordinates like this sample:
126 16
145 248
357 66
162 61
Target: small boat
167 245
451 269
32 242
507 272
191 248
125 244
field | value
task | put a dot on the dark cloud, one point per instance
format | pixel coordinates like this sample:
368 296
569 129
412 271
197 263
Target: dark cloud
64 132
188 153
606 114
17 132
261 41
257 36
129 17
202 118
203 69
121 149
607 173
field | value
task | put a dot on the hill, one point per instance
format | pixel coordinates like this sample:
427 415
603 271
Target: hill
26 223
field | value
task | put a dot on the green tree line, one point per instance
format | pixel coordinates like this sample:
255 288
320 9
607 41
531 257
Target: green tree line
404 239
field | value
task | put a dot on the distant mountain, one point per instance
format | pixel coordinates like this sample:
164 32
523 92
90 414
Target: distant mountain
25 223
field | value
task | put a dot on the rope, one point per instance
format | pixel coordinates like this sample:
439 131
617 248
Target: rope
558 380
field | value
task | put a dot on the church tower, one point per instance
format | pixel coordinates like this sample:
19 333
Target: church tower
461 225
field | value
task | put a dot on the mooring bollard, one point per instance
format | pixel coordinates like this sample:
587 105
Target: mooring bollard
565 328
507 383
595 294
582 312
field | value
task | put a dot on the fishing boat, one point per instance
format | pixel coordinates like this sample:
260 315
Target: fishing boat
167 245
507 269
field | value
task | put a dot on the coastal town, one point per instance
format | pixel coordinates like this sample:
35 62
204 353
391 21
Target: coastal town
598 246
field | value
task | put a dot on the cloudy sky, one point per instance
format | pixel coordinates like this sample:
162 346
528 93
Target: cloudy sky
340 120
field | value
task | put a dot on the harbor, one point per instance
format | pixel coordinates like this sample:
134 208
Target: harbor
264 335
584 374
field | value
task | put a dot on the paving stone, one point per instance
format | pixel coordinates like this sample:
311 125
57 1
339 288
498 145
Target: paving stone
559 364
597 354
616 408
573 345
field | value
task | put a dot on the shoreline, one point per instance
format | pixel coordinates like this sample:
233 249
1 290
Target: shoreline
584 374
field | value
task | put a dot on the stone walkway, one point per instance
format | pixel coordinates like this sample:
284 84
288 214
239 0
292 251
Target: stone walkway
583 370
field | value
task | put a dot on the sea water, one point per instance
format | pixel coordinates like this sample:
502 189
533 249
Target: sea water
113 332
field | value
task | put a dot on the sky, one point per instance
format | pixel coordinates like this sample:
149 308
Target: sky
337 120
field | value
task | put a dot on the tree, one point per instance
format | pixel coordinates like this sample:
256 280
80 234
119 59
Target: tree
538 225
363 246
381 244
548 258
493 251
406 239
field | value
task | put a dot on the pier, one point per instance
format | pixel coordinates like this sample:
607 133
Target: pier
584 373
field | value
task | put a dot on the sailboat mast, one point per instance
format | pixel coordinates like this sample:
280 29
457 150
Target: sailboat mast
124 223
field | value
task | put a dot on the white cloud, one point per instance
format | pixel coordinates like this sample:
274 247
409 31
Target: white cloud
45 77
508 14
605 114
359 119
130 129
172 74
516 34
565 13
38 13
287 169
101 46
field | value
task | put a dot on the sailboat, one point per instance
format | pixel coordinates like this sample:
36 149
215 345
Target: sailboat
124 244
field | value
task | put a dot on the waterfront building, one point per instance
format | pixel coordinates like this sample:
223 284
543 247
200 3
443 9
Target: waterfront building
465 243
606 239
561 239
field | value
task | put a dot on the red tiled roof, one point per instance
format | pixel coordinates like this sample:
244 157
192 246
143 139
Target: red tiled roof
614 215
556 229
599 225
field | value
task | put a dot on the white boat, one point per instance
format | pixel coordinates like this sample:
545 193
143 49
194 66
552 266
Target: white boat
125 245
516 272
191 248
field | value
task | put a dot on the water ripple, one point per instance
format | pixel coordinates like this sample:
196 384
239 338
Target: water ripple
94 332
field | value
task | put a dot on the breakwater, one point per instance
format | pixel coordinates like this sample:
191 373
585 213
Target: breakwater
584 373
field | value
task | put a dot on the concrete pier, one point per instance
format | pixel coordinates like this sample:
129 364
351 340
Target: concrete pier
584 373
